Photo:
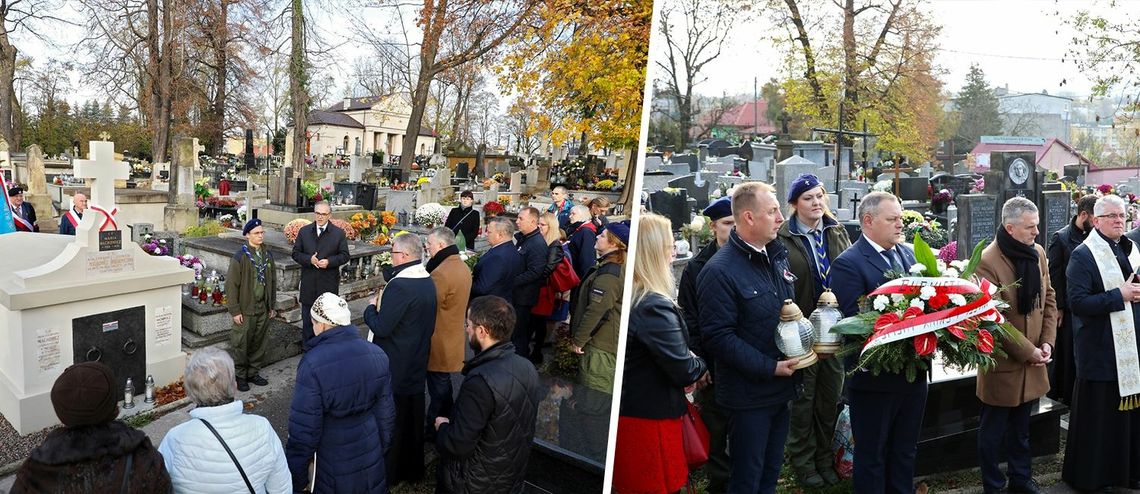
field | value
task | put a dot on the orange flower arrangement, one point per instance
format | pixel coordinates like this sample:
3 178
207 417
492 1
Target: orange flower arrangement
388 218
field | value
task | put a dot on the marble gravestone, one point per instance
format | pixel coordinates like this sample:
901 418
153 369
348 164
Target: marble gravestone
977 221
787 171
93 296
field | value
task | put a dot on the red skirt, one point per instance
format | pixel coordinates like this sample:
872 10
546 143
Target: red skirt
649 456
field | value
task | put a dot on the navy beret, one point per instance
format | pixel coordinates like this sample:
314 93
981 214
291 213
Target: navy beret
250 225
619 230
15 190
803 183
719 208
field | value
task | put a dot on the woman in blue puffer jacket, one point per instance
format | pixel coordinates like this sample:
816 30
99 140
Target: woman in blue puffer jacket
342 407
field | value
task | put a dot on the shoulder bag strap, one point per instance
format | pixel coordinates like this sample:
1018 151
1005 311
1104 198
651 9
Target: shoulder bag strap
127 474
232 457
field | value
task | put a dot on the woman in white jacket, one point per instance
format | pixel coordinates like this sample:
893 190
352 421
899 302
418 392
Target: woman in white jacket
195 452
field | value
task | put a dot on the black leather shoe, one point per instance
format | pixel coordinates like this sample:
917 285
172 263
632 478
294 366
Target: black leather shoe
242 385
260 381
1026 488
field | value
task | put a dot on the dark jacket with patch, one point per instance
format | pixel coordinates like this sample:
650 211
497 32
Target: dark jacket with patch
344 412
332 245
241 277
535 253
486 445
93 459
658 364
403 326
741 297
596 319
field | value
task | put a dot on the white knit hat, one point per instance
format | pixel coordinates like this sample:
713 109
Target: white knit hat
331 309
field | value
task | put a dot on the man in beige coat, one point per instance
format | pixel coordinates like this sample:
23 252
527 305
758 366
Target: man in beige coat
452 280
1009 391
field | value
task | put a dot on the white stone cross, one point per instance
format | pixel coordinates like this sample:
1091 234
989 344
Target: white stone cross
104 136
103 170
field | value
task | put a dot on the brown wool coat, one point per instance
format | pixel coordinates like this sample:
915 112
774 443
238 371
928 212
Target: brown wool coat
452 280
1013 381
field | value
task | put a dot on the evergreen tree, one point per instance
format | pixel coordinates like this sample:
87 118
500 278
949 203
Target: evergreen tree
978 113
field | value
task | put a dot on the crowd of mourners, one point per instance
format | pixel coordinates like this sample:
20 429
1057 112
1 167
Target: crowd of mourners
1075 307
360 416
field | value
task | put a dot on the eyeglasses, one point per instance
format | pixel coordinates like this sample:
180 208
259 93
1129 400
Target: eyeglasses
322 214
1116 216
399 252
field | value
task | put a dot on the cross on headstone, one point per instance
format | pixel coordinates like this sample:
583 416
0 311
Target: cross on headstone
898 170
784 122
104 136
103 170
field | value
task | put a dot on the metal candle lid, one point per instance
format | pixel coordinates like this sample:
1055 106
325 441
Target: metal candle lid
790 311
827 298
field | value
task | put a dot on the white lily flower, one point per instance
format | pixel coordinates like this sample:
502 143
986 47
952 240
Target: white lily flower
941 265
917 269
959 265
917 302
698 223
957 299
951 273
881 302
926 292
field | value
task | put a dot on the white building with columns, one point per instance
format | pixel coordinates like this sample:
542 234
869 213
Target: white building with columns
375 123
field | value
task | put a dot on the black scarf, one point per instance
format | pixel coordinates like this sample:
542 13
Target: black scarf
438 258
1025 267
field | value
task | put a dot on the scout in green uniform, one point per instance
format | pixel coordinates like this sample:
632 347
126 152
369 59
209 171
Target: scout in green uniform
251 286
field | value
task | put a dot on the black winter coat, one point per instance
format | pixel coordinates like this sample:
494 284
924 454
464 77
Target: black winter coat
535 255
465 220
403 326
688 300
1061 249
93 459
658 364
486 445
554 257
741 297
333 245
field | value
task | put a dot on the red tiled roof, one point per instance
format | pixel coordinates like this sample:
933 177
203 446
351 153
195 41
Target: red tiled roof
741 117
1040 150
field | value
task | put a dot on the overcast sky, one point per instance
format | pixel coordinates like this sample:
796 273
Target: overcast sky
1015 42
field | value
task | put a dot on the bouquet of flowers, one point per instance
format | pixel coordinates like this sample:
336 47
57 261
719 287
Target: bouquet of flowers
943 196
430 214
157 247
365 224
192 262
293 227
388 219
1105 189
493 208
935 307
916 225
606 184
349 231
979 186
227 220
383 259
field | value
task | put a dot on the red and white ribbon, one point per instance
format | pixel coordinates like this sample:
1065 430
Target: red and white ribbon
928 323
108 217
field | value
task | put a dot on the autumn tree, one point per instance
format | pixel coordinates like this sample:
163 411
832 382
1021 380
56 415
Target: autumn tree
585 68
694 33
978 112
879 70
521 124
19 16
1106 49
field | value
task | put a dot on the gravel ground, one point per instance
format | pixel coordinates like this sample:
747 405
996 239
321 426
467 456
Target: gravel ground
14 447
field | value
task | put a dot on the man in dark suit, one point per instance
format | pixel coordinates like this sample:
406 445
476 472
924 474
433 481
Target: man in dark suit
22 212
320 249
496 270
1063 370
533 249
69 221
402 320
886 410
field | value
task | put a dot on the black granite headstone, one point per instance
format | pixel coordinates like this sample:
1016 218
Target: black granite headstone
914 189
672 205
1055 213
690 159
977 221
116 338
698 192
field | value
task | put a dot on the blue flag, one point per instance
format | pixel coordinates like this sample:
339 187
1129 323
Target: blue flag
7 224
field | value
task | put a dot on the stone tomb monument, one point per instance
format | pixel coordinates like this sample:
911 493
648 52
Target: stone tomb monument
1056 212
697 187
93 296
977 221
